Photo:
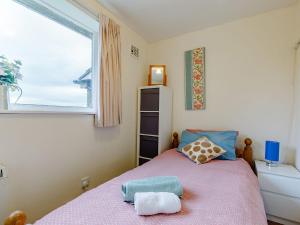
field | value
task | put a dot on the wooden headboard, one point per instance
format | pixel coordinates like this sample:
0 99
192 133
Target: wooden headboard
245 153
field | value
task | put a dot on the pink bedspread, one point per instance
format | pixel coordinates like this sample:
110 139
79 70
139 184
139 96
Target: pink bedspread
216 193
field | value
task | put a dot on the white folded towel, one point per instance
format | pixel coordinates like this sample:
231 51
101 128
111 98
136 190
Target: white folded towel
150 203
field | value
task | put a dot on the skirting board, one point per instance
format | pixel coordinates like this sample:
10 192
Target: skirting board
282 221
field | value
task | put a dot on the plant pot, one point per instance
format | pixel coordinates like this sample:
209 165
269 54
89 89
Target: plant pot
4 97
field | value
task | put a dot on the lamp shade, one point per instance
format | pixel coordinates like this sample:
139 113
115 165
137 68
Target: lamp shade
272 151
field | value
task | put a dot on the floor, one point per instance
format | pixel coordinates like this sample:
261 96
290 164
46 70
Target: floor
273 223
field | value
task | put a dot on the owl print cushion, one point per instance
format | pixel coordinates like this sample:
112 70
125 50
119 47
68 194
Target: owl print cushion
202 150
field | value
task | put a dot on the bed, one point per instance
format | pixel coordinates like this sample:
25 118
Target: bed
219 192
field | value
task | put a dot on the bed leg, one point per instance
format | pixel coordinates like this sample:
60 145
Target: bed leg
16 218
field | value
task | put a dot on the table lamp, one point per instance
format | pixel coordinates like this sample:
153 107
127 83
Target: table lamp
272 153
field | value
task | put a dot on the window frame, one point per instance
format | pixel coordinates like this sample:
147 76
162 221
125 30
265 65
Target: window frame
73 14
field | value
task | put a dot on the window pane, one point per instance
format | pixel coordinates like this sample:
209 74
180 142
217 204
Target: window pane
53 58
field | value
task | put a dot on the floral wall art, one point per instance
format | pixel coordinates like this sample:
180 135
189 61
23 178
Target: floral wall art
195 79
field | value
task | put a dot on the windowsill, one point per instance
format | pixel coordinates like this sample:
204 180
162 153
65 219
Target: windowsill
38 109
45 112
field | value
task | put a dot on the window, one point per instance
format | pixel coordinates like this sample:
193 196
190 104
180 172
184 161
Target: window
56 46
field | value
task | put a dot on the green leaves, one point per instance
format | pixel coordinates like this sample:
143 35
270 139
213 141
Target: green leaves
9 72
18 62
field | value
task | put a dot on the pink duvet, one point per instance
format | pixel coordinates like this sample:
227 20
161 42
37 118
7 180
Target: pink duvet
217 193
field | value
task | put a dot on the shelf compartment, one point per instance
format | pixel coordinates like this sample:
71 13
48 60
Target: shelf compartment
148 146
149 123
142 161
150 99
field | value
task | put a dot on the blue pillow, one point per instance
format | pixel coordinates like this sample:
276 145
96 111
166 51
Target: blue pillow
225 139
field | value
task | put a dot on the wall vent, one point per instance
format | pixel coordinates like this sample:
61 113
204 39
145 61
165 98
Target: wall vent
134 51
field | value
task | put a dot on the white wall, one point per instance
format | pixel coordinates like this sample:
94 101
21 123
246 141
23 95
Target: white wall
249 77
296 121
298 83
296 141
46 155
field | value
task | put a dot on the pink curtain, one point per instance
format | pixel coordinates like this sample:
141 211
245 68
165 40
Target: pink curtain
109 112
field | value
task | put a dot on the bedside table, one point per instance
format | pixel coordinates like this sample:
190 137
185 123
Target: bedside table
280 189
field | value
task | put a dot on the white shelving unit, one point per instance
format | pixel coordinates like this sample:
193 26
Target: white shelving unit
154 127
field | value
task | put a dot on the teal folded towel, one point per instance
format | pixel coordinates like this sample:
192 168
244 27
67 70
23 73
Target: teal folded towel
152 184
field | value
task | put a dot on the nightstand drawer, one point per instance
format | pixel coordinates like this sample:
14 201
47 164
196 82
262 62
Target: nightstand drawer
281 206
279 184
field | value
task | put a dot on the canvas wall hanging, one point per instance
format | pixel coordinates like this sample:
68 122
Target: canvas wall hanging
195 79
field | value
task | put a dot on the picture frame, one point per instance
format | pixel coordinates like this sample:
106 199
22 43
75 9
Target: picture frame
157 75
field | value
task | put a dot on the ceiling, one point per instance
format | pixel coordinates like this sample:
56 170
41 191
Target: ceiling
161 19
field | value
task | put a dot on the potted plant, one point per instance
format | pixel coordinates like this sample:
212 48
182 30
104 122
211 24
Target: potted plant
9 76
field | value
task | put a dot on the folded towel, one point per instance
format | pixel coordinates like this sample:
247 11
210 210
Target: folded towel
152 184
150 203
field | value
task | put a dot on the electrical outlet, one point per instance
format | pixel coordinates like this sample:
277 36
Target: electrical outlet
2 172
85 183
